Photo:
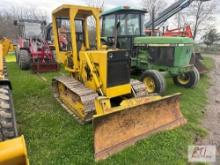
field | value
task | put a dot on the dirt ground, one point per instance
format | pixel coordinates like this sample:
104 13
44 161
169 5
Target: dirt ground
212 115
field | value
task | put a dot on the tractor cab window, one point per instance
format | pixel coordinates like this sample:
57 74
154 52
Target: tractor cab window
32 30
64 35
63 26
108 25
129 24
79 31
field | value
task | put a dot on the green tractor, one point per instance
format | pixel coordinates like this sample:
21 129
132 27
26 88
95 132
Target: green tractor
154 57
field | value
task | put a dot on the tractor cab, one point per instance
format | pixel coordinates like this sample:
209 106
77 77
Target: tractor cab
30 28
124 22
30 32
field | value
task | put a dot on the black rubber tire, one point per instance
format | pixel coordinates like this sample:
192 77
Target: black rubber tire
8 128
159 81
24 60
54 55
17 54
194 78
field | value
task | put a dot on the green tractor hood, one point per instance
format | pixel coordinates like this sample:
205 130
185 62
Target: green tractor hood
163 41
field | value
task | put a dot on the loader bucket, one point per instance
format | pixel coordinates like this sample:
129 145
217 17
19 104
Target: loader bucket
127 124
13 152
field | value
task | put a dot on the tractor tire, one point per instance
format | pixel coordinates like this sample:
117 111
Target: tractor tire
8 128
24 60
17 54
54 55
188 80
154 81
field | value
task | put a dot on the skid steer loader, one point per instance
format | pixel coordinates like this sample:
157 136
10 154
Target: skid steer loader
12 148
99 88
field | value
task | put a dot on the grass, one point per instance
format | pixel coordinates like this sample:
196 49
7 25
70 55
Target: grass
54 137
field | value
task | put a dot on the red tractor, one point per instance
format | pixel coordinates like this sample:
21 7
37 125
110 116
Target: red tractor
33 50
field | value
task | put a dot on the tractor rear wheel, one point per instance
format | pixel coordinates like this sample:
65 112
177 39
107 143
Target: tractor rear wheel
17 54
54 55
154 81
24 59
187 80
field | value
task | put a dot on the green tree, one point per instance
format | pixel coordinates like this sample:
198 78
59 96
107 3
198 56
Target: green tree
201 15
211 37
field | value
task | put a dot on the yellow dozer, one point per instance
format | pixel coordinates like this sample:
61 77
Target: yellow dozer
12 148
99 88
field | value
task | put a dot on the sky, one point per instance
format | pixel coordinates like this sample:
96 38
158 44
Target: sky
49 5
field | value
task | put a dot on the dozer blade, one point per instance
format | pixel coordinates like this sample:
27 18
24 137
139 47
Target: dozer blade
135 120
13 152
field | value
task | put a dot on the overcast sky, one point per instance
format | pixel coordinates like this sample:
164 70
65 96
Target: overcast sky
49 5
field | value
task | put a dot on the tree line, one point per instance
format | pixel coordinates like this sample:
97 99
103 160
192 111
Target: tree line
7 18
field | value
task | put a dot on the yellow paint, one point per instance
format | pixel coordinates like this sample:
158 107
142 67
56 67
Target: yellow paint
13 152
1 63
85 26
93 70
102 104
72 12
150 84
183 79
72 103
104 108
72 15
94 61
119 90
7 45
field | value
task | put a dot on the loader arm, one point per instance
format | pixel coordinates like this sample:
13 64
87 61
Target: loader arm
169 12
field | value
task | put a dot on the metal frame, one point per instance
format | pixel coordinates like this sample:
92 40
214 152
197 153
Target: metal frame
71 12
